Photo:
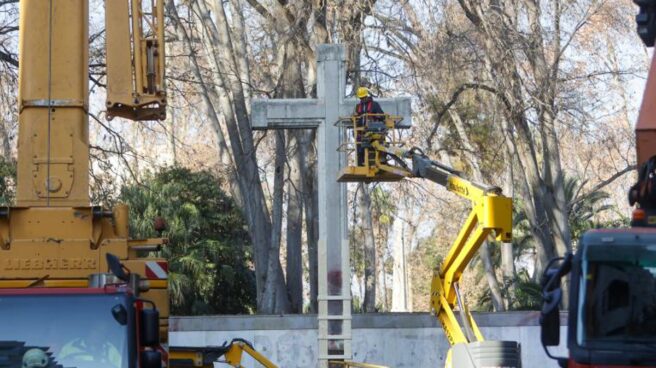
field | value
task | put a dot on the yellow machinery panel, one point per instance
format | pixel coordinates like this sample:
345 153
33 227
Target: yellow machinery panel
59 247
53 149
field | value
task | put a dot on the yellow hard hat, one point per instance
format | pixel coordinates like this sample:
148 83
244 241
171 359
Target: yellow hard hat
362 92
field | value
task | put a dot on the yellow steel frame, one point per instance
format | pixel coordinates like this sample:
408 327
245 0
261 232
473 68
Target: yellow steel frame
190 357
372 170
233 356
205 358
490 214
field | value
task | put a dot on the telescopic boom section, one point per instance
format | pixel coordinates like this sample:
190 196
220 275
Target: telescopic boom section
53 142
53 135
135 59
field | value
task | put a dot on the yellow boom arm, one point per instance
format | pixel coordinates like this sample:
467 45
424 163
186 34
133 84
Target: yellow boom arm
230 354
491 213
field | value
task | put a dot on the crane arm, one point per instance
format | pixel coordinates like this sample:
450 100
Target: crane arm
491 214
230 354
135 59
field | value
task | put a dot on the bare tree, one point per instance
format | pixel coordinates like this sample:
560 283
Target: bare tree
370 259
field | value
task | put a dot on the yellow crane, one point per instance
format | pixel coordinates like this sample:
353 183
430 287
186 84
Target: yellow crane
229 353
75 290
491 214
56 248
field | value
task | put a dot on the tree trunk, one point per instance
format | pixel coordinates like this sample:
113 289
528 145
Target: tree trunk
518 89
225 93
311 208
369 303
240 42
291 86
172 138
6 140
497 296
294 229
399 274
274 299
233 107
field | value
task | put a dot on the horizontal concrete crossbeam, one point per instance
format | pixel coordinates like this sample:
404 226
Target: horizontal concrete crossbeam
304 113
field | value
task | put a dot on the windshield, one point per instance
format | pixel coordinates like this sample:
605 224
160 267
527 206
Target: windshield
617 297
74 331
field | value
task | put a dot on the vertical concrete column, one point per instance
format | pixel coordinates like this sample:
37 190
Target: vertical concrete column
334 288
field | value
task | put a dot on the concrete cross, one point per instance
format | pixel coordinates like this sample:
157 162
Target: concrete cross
334 319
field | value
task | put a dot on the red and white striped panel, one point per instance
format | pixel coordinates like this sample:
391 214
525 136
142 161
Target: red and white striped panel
164 349
157 270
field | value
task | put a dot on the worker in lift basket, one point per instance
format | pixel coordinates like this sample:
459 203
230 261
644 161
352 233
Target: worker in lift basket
366 106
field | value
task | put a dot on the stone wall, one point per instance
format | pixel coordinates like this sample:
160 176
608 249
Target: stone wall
392 339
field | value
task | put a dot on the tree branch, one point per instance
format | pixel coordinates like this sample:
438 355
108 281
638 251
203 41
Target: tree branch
603 184
262 11
469 13
8 58
454 99
5 30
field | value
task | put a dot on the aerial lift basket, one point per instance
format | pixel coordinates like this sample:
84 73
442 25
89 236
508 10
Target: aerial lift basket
370 133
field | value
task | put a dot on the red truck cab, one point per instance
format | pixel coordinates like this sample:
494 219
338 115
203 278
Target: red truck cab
105 325
612 300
